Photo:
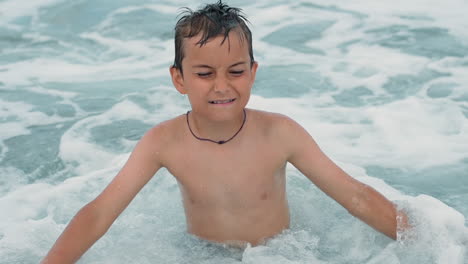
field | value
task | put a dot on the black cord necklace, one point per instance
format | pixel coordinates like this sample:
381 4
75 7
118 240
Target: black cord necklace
214 141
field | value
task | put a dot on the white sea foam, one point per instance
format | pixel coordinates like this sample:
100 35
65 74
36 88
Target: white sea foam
156 48
359 56
57 70
76 146
42 90
448 14
11 9
431 128
22 116
51 206
375 134
439 228
155 7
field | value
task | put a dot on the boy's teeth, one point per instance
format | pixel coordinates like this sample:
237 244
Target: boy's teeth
221 101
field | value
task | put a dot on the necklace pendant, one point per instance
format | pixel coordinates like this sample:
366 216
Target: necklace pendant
221 142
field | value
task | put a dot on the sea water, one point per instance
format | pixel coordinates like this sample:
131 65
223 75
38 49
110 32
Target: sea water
381 85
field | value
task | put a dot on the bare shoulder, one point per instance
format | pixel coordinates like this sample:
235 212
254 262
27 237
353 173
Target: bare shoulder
281 131
275 124
163 135
270 118
166 131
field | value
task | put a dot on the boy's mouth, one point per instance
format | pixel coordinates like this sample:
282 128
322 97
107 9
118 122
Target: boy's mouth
222 101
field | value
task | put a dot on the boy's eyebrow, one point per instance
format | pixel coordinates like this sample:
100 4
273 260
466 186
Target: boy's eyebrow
201 66
208 66
238 63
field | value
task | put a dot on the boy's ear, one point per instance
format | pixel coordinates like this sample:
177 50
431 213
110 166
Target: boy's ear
177 79
253 70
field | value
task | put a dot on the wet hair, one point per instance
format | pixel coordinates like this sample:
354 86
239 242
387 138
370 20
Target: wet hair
210 21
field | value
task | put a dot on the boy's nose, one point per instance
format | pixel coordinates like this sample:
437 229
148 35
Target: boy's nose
221 84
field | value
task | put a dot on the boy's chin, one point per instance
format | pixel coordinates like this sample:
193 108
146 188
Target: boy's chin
221 115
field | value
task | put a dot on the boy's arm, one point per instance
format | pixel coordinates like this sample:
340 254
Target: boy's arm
361 200
95 218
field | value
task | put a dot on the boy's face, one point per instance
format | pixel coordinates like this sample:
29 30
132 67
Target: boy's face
217 78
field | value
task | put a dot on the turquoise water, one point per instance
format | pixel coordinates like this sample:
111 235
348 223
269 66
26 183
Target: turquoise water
381 85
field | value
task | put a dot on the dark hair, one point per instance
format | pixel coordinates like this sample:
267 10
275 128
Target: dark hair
211 21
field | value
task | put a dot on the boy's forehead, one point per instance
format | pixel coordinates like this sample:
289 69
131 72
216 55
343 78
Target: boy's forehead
231 44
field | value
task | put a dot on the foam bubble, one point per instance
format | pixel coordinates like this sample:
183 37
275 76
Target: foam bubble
438 234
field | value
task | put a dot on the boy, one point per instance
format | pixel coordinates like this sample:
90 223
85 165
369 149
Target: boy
229 161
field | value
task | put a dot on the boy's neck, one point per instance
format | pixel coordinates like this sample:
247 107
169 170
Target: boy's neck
212 130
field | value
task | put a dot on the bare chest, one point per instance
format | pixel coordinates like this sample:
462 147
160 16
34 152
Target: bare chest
226 178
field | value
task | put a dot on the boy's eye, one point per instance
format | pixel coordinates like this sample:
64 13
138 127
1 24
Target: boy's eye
203 74
237 72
